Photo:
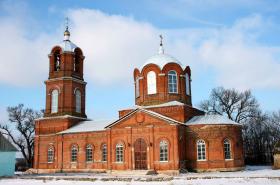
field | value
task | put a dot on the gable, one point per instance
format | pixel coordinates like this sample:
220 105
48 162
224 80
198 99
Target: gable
142 117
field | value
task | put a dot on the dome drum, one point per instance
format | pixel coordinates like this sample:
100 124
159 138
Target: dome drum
169 84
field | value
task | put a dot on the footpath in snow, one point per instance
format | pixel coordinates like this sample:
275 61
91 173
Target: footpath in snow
252 175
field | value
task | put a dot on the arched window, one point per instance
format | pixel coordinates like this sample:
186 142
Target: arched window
54 102
188 89
50 154
78 100
163 151
201 150
227 149
56 61
104 152
137 93
119 153
89 153
74 153
172 82
152 82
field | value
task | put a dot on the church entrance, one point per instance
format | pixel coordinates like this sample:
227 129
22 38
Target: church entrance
140 154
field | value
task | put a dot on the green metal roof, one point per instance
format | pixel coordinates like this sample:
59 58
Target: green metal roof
5 145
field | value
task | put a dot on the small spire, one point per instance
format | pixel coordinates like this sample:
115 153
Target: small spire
66 32
161 50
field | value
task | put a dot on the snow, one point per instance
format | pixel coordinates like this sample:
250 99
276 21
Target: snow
210 119
167 104
252 175
171 103
88 126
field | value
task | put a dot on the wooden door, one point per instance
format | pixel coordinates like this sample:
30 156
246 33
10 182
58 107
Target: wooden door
140 154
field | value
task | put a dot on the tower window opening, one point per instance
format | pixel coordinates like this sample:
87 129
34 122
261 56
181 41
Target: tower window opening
188 89
137 94
56 61
76 63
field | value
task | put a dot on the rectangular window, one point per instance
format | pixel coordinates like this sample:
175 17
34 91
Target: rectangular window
201 154
119 153
50 155
227 150
104 153
89 155
74 154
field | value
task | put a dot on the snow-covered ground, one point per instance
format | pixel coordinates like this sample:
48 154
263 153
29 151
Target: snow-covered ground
252 175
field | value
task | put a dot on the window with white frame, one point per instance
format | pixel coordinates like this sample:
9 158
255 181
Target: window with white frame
201 150
152 82
137 93
163 151
119 153
89 153
227 149
172 82
74 153
50 154
104 152
188 89
54 102
78 100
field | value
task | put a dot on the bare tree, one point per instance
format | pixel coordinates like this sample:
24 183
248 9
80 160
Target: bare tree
21 129
237 106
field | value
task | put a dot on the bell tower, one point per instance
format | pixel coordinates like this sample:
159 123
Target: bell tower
65 87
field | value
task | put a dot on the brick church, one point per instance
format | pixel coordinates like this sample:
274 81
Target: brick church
162 132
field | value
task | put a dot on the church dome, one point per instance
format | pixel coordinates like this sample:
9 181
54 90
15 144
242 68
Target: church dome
68 46
161 59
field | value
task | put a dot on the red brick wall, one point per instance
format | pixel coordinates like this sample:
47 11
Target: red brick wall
214 136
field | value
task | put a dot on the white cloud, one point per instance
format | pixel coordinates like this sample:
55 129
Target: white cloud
114 45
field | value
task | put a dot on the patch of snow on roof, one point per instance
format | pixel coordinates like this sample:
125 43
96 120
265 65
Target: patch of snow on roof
67 45
210 119
161 59
167 104
88 126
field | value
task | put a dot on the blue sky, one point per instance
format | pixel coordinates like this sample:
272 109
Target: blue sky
226 43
